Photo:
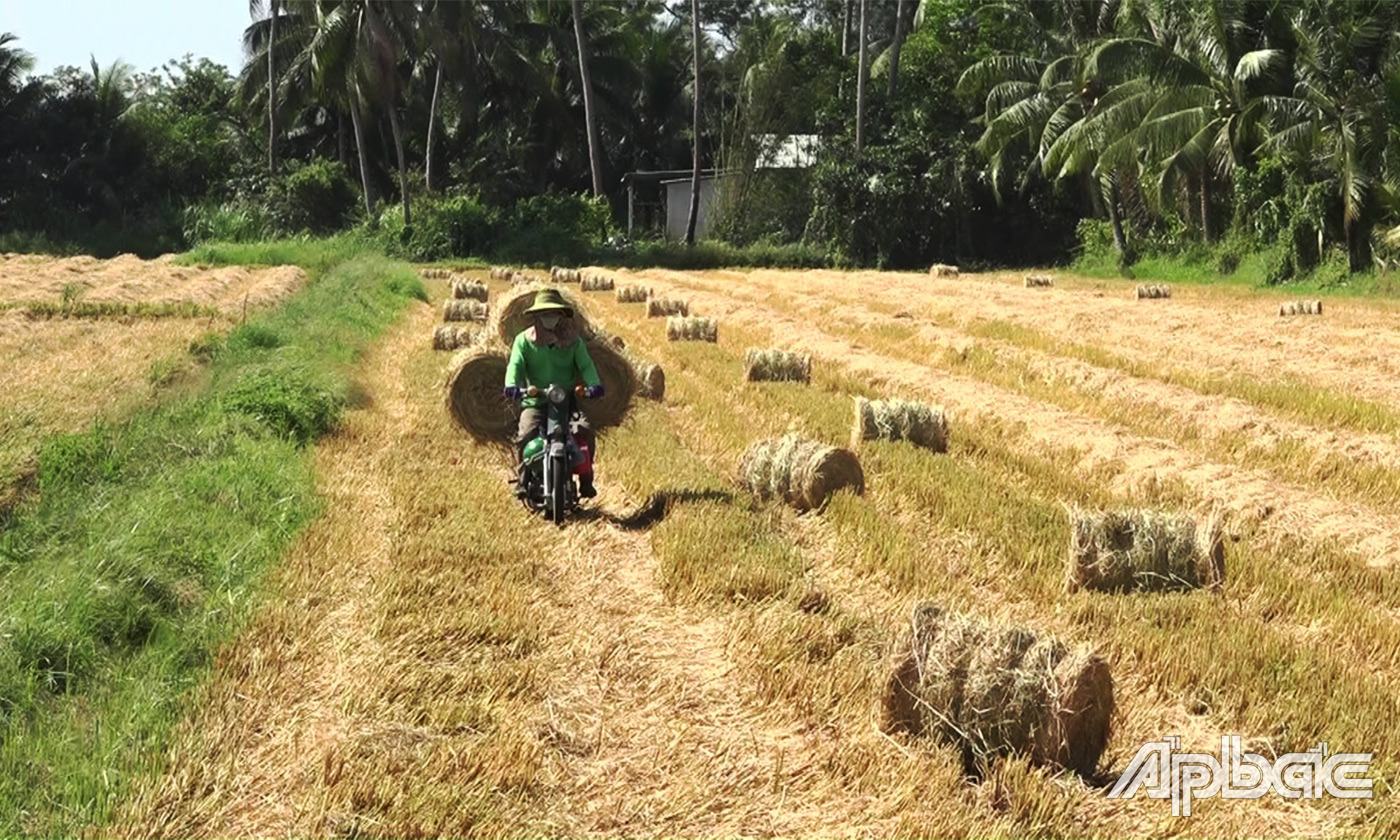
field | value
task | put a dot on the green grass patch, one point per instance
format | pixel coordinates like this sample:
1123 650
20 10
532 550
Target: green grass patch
143 549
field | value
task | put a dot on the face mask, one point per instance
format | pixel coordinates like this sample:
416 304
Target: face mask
549 322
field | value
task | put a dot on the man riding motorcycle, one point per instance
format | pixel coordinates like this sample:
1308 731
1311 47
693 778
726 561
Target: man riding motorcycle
550 352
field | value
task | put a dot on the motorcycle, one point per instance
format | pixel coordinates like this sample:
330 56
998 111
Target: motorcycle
552 459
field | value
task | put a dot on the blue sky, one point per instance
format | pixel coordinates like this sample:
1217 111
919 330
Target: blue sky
144 33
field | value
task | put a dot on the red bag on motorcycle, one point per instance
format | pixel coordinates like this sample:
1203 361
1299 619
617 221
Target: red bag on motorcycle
585 464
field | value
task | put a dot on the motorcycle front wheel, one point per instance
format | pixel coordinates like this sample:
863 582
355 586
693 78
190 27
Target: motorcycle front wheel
559 491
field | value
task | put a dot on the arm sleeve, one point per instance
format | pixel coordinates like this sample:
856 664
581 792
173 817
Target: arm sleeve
515 369
584 363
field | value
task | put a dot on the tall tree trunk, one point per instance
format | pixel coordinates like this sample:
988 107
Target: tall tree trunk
364 157
589 117
342 146
1205 206
695 125
1115 218
896 47
432 127
861 75
403 165
272 89
846 29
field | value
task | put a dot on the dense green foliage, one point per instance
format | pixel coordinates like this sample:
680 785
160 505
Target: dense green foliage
140 552
1201 131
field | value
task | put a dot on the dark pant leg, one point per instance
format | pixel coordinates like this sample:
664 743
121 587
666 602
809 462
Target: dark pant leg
531 424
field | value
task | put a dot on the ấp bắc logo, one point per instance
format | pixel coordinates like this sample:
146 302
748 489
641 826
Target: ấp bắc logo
1181 777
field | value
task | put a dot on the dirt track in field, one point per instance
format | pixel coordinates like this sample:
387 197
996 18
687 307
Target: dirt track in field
806 309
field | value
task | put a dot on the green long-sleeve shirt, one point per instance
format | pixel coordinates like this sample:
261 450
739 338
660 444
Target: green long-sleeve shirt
542 366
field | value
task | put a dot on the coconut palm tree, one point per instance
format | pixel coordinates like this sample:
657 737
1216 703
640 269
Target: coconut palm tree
695 124
1337 121
589 114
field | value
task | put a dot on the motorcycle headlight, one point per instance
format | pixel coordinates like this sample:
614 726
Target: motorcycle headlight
555 394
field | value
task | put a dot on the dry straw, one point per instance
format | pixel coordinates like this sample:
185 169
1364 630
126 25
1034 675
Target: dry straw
509 318
919 423
941 270
1039 281
776 366
463 289
666 308
632 294
1142 549
1153 292
619 385
692 329
454 337
802 472
500 272
564 275
596 283
464 310
1300 307
996 690
435 273
474 399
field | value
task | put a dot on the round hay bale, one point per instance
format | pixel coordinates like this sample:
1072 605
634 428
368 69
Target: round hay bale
692 329
801 472
509 318
667 308
463 289
919 423
941 270
464 310
474 383
632 294
776 366
995 690
1123 550
619 385
1039 281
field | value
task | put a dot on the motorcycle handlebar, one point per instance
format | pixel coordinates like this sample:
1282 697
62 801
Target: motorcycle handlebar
580 391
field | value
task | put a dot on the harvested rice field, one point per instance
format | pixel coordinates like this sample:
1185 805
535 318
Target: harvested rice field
713 647
83 339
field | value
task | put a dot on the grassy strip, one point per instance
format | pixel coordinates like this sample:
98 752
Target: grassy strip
141 551
110 309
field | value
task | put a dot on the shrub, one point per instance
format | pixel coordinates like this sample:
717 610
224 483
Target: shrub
318 197
288 401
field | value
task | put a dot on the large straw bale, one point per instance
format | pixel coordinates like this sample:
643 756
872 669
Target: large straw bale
1039 281
1153 292
776 366
596 282
619 384
667 307
995 690
941 270
802 472
919 423
632 294
466 289
455 337
463 310
1143 549
692 329
509 318
1300 307
474 382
